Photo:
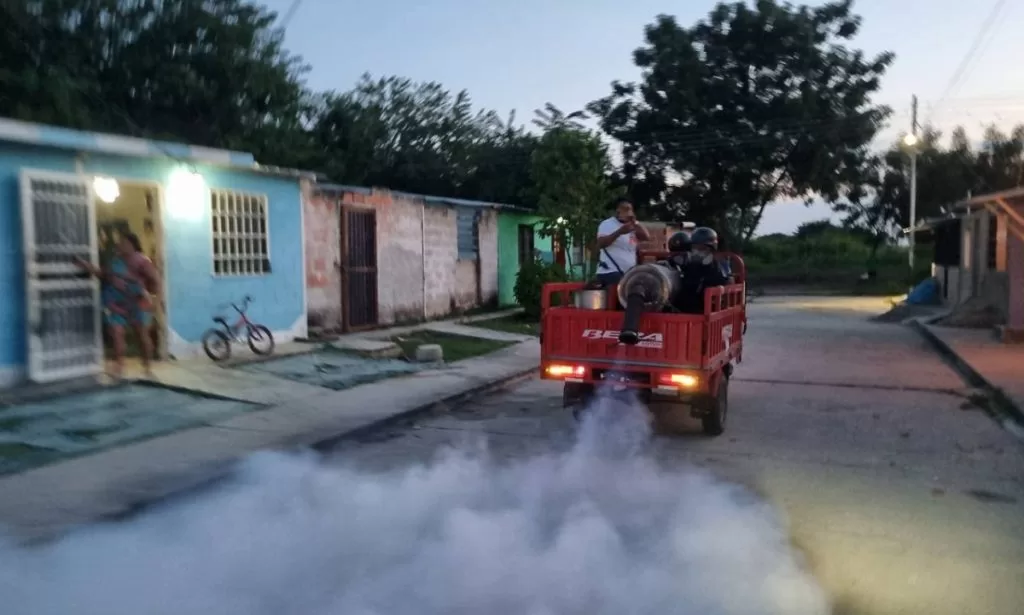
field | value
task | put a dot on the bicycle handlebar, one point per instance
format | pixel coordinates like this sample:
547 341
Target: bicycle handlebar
240 308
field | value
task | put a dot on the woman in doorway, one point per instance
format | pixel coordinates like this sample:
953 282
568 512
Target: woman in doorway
128 282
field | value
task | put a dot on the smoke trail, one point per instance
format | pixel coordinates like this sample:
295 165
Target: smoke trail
597 530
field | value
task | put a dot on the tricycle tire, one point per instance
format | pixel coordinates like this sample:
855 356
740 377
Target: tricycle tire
577 395
713 422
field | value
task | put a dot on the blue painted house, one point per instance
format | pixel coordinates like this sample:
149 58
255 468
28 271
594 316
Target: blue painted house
217 225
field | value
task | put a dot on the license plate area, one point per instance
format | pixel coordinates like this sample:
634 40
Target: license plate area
622 380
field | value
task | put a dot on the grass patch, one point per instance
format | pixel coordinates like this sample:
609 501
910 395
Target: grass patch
12 423
516 323
454 347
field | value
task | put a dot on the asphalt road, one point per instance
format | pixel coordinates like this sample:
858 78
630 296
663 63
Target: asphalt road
901 493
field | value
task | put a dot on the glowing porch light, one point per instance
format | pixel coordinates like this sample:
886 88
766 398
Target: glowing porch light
106 189
186 195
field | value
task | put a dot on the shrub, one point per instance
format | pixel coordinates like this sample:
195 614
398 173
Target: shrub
530 279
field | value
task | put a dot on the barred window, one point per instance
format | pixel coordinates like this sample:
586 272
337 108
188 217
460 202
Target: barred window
240 233
467 237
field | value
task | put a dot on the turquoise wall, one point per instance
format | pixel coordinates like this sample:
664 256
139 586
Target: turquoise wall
508 251
193 292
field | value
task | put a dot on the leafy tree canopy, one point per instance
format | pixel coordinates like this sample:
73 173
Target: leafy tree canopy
751 105
570 175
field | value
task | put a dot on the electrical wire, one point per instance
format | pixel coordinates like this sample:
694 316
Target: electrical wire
289 14
962 70
673 141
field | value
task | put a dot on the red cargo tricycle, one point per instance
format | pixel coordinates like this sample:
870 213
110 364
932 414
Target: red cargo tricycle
680 361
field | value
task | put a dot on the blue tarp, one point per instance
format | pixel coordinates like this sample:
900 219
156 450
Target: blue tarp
925 293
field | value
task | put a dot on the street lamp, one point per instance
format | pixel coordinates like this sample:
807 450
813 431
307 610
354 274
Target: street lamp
911 141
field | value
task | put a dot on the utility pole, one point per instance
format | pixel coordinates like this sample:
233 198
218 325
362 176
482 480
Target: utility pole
912 142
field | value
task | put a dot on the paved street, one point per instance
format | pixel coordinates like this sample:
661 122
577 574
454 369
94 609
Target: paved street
875 465
904 496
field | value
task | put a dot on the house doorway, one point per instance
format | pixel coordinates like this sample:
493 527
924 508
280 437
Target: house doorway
134 209
358 268
527 252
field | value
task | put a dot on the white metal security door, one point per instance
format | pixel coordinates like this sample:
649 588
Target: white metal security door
59 224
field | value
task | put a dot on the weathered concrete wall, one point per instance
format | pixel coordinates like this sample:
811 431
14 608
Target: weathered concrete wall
1015 275
464 293
323 277
400 246
487 231
467 276
949 283
419 275
440 260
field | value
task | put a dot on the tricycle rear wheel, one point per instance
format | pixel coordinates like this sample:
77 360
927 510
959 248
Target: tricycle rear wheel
577 396
713 420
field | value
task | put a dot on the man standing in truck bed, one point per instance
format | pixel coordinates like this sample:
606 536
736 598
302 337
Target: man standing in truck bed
617 239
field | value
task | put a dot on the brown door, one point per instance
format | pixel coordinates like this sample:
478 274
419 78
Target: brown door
526 253
358 268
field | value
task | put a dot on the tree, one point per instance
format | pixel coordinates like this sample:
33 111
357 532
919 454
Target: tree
1000 163
747 107
944 177
552 117
420 137
569 170
209 73
503 166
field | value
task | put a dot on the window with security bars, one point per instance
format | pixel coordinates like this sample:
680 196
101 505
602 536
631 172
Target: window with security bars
240 233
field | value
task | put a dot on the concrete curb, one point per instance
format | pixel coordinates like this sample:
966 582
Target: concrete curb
1002 409
213 475
485 388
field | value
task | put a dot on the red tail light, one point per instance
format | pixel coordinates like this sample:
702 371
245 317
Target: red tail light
557 370
682 381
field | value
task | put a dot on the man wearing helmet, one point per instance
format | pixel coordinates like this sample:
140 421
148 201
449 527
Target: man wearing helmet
701 270
617 238
679 251
679 242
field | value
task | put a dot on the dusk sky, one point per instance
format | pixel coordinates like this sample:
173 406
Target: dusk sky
520 55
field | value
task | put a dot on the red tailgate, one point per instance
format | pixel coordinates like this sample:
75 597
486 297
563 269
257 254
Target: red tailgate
569 333
576 335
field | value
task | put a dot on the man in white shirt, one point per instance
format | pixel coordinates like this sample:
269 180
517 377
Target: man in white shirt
617 239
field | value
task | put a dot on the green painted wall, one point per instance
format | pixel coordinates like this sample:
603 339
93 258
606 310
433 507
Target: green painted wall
508 251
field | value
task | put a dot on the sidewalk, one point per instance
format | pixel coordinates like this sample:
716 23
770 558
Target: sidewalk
42 502
988 363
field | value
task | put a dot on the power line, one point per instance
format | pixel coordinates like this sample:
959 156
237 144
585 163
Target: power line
290 13
962 68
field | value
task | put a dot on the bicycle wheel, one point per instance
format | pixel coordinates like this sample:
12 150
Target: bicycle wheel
216 345
261 340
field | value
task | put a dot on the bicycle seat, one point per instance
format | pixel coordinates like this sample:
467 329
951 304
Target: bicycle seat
220 320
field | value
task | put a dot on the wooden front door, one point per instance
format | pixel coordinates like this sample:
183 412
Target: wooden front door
358 268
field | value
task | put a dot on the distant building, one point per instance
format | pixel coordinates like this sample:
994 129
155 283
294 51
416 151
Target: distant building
979 253
376 257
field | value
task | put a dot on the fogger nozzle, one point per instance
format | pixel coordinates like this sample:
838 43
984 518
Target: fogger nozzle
630 332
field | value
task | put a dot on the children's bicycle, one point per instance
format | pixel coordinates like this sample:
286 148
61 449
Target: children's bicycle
217 340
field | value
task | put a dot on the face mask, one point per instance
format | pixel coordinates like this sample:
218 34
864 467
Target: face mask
703 257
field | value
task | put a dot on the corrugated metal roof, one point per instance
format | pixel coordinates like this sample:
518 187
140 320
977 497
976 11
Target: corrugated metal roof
964 207
121 145
979 201
437 201
928 224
